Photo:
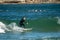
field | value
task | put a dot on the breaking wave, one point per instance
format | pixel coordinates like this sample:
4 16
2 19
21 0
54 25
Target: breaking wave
11 27
29 35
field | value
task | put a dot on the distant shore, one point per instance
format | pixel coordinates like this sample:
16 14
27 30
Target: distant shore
30 3
17 2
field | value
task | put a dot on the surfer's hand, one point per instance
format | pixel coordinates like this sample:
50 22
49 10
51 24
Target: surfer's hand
27 23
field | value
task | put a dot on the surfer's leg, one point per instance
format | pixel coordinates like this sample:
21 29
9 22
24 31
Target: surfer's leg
23 25
20 25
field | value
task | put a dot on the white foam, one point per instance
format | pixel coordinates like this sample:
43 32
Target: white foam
36 10
11 27
1 27
58 20
2 31
14 27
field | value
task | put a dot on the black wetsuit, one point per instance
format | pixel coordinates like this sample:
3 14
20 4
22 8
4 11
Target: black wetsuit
21 23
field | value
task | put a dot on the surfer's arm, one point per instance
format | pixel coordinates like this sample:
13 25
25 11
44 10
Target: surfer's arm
27 23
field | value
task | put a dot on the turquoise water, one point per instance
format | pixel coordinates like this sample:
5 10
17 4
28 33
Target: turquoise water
43 18
32 11
29 36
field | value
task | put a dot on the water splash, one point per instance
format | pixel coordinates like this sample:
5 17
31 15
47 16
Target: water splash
58 20
12 27
2 27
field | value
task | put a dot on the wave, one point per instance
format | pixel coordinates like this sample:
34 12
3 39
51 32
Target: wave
30 35
11 27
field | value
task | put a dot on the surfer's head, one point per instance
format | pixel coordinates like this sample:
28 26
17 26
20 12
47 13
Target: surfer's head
24 18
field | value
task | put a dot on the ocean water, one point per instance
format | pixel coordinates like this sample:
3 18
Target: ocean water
44 19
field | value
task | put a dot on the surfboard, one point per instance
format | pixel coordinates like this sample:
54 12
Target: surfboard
20 29
27 28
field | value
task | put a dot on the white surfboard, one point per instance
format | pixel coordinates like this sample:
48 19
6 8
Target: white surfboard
20 29
27 29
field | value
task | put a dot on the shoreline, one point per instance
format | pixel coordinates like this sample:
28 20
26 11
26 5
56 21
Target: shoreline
29 3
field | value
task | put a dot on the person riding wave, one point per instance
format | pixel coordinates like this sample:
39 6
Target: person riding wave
22 22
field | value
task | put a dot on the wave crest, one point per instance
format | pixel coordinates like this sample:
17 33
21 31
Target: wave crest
10 27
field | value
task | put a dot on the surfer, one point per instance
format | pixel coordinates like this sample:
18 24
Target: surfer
22 22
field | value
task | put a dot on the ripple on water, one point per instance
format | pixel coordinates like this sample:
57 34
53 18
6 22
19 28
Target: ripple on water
29 35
